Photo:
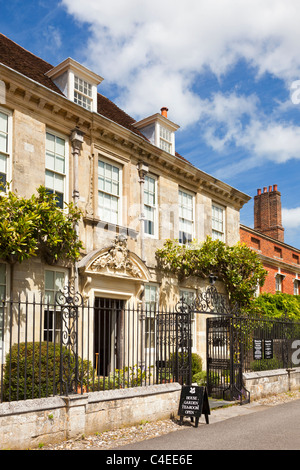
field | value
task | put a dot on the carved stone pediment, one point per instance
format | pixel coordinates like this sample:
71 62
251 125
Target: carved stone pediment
118 261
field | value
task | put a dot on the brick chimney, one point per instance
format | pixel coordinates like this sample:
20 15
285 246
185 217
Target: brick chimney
267 213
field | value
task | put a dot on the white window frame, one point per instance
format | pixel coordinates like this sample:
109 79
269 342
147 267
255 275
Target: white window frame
216 233
183 292
82 95
153 207
8 153
66 172
278 282
190 194
57 331
165 139
296 286
119 197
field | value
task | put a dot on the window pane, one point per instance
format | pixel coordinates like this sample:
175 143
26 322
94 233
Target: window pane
3 132
49 280
60 164
3 123
58 183
2 274
59 281
50 142
50 161
3 142
49 180
3 163
60 146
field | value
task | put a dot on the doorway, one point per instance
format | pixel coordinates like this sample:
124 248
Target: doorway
108 334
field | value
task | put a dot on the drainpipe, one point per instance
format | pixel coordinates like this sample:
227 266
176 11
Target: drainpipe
77 141
143 170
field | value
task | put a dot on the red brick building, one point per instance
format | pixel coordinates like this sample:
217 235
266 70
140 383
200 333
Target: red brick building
282 261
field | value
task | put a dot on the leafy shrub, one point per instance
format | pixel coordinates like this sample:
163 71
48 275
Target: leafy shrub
200 378
195 359
196 364
266 364
33 370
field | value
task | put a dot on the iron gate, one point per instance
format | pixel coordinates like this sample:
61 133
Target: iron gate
173 346
225 357
224 348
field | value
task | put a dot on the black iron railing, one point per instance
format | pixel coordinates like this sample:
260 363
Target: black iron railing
73 347
239 344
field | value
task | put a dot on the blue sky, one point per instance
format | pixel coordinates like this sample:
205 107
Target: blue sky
228 70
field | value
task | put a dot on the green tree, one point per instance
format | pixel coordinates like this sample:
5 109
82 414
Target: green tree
237 266
277 305
37 227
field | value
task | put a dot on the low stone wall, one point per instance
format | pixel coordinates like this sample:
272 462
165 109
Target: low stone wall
26 424
271 382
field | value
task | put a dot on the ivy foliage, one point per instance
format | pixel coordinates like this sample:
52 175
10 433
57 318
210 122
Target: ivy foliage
36 226
237 266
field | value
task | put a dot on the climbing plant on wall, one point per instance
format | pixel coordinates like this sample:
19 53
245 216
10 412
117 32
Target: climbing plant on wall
237 266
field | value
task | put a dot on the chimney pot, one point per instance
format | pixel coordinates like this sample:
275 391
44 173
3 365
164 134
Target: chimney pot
270 189
259 192
164 111
265 189
275 187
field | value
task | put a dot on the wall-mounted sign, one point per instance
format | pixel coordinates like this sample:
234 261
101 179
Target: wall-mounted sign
268 349
262 349
257 349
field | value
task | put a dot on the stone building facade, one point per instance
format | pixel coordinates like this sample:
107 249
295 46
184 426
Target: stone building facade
267 238
134 189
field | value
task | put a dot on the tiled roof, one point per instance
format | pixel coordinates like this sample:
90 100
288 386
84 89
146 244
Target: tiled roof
35 68
110 110
19 59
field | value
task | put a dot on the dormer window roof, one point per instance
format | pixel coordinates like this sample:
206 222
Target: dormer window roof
77 83
159 130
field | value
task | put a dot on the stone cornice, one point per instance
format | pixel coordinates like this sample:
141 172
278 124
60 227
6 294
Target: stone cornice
29 94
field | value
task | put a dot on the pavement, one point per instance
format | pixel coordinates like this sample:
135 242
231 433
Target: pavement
255 426
165 433
221 410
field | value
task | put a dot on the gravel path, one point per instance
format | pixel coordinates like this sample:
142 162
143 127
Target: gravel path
146 430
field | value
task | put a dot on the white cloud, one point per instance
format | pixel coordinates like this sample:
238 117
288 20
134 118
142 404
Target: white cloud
154 51
291 218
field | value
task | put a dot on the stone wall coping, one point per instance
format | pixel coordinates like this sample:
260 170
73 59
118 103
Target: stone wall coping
51 403
269 373
29 406
124 393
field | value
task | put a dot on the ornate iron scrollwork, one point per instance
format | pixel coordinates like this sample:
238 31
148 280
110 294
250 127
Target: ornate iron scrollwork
210 301
69 302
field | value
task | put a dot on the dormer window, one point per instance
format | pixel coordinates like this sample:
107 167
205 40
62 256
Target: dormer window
77 83
159 130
